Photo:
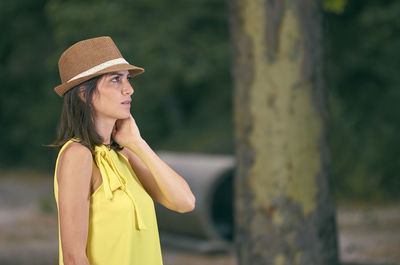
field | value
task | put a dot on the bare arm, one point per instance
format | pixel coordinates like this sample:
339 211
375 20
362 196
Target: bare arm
162 183
74 175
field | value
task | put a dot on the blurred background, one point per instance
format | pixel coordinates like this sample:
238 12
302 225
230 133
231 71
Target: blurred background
183 103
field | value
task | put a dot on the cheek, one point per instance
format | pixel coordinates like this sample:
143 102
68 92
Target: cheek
96 103
106 104
99 104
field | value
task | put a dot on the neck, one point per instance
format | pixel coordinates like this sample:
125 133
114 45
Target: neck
104 128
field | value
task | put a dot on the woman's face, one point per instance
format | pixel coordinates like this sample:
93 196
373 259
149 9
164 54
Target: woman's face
113 96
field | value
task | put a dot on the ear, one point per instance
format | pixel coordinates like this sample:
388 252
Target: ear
81 93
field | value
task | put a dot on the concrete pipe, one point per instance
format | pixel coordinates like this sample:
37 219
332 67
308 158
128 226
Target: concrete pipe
211 179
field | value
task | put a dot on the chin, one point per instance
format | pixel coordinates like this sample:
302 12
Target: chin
123 116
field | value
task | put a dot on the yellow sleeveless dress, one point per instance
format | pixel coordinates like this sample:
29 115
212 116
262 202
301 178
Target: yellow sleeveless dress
122 221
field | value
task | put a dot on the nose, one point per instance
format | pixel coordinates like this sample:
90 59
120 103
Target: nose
128 89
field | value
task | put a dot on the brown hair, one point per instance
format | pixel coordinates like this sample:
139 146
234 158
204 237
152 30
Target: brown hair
77 118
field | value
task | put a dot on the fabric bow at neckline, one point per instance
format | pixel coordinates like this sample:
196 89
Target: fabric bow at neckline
113 180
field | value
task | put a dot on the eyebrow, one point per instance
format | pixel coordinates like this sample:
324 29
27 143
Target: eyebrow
115 73
118 74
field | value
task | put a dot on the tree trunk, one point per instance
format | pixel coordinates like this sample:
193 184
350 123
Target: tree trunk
283 208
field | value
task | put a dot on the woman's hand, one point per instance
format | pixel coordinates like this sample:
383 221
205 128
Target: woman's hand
126 132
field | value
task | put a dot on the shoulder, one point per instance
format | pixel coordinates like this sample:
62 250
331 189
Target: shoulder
75 157
76 152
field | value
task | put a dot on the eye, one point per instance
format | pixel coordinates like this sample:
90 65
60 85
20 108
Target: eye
116 79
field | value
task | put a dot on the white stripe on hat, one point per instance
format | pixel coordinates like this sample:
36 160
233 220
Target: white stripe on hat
99 67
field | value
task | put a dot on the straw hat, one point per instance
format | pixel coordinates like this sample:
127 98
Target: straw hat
89 58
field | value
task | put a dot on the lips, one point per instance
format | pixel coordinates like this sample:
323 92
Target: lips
127 102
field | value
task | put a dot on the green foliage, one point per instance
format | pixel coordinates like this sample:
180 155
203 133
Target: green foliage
184 49
362 55
26 111
335 6
185 90
184 99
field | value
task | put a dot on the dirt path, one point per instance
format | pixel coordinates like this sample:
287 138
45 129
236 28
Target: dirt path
28 229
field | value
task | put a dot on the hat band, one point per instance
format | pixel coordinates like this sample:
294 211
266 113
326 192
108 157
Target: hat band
99 67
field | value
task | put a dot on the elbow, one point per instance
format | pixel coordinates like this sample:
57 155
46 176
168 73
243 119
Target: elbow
189 206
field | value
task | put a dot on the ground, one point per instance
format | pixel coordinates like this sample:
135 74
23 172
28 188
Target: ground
368 234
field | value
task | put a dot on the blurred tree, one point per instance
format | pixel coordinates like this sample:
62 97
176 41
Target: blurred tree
284 213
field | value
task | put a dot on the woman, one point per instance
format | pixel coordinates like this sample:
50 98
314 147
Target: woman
106 175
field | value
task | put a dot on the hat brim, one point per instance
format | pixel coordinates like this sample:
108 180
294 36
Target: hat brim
133 70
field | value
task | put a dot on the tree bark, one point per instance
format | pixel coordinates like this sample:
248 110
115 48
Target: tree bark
283 208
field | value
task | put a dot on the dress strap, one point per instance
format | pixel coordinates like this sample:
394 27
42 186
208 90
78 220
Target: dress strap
113 180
